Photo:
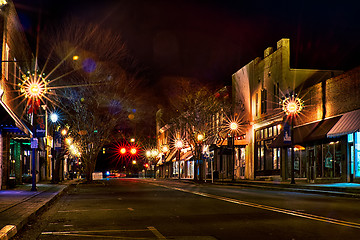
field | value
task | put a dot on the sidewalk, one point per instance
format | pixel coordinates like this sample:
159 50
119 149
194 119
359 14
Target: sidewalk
333 189
19 205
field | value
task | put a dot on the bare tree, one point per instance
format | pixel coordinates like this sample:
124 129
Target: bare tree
195 107
94 82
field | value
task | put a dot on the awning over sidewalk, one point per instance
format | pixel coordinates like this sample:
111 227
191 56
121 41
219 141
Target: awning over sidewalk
186 156
9 118
307 133
348 123
320 130
171 155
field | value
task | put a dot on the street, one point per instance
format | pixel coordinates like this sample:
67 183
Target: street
159 209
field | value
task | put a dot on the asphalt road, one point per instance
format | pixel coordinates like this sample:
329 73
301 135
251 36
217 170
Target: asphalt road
153 209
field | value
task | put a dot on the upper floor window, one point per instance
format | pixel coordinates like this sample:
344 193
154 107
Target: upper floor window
276 96
263 101
256 104
6 62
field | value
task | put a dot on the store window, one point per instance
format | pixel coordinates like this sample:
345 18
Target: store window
276 158
357 155
331 160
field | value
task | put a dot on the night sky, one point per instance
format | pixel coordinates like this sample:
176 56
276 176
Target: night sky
210 40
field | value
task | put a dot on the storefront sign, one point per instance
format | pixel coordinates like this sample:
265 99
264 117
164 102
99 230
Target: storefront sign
57 140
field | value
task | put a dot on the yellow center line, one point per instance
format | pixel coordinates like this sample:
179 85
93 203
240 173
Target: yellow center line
269 208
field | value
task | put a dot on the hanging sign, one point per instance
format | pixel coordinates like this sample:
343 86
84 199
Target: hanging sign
287 133
34 143
40 126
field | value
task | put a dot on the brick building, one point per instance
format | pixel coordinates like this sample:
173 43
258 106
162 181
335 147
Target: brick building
16 58
258 89
330 132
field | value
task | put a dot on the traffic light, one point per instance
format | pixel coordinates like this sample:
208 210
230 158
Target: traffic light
146 165
133 150
123 150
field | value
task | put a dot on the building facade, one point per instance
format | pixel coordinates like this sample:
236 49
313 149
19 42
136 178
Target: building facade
258 89
16 58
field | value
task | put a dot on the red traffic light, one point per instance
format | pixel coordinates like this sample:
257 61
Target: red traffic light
146 165
122 150
133 150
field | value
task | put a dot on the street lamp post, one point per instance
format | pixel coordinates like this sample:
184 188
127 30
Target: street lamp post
200 138
292 106
54 118
179 145
233 127
33 87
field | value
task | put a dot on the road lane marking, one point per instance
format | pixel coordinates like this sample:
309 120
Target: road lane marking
85 210
95 233
75 210
269 208
156 232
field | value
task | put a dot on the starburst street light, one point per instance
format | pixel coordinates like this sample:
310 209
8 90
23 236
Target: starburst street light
292 105
233 126
33 86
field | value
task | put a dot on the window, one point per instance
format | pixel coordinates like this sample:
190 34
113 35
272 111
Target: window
270 131
263 101
276 96
6 62
256 104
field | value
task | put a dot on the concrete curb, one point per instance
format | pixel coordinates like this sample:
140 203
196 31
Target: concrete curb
10 231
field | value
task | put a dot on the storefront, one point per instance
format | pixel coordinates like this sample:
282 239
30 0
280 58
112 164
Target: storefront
347 130
14 148
267 152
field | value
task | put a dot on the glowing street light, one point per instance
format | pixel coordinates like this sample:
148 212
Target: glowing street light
64 132
54 117
165 148
34 86
179 144
200 137
233 126
292 105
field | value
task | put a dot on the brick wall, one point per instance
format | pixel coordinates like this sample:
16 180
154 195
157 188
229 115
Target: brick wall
331 97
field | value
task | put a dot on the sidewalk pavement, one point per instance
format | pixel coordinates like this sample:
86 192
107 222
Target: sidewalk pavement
333 189
19 205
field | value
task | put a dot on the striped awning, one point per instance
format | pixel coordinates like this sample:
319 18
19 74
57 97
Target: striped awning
186 156
171 155
348 123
